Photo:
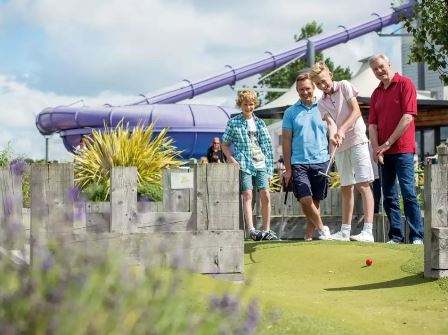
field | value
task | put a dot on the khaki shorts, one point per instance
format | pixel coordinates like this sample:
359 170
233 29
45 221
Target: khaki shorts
354 165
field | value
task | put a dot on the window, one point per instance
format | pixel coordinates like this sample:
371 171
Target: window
428 142
443 133
418 143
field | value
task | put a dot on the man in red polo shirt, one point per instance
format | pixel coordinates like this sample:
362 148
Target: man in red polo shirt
393 107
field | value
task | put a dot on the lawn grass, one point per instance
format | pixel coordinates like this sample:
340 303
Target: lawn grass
325 288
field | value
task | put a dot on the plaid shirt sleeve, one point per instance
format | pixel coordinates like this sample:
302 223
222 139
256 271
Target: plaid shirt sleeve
227 136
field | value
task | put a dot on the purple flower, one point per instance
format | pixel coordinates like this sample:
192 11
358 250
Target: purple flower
252 319
17 166
74 193
8 206
47 264
225 304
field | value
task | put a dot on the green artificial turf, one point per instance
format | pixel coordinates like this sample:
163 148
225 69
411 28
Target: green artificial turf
325 288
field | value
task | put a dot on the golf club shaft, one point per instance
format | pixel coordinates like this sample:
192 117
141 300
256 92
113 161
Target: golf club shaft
331 161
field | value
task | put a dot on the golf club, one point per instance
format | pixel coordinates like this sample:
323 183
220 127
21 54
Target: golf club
286 189
329 165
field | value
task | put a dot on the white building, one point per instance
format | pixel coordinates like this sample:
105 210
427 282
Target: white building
432 82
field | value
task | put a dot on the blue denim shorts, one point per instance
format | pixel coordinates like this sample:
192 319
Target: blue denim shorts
248 181
307 181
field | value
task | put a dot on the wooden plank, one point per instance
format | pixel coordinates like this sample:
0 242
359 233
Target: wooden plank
11 200
436 205
325 205
223 193
204 251
174 200
200 208
52 206
100 207
98 222
380 228
123 199
439 248
336 202
149 206
165 221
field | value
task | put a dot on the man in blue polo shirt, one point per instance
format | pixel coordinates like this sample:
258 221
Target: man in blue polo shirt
305 152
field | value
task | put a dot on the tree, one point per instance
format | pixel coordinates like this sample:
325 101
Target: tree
284 77
429 28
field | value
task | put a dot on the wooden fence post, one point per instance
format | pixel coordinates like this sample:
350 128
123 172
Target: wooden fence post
11 199
217 197
52 206
123 199
436 219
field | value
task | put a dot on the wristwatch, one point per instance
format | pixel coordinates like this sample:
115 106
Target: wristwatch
387 143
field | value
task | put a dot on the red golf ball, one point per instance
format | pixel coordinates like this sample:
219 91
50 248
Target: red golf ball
369 261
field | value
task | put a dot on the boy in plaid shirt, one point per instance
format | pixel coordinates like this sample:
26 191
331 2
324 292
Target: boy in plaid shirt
253 155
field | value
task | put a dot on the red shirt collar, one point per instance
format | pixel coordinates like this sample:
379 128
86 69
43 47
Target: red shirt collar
395 79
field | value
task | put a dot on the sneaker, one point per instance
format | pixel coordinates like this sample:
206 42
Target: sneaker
324 234
307 239
269 235
417 241
392 242
341 236
256 235
363 236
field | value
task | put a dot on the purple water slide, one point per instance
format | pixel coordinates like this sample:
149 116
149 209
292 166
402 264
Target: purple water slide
193 126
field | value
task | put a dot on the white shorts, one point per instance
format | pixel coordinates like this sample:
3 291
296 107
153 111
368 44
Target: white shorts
354 165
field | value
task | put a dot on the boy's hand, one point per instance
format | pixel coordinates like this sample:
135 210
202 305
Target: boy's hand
234 161
339 136
333 141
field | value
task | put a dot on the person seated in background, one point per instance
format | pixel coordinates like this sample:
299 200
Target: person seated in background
203 160
214 153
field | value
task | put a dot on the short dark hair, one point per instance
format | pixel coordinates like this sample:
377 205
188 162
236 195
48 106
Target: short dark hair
303 76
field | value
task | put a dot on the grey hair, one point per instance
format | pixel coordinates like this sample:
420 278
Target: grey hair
378 56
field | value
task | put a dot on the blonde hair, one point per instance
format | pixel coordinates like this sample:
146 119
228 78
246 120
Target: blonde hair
246 95
317 68
378 56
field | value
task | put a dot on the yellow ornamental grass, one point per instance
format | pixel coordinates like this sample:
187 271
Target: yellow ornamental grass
121 147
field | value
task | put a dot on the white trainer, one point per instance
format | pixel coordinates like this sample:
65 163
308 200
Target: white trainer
341 236
363 236
417 241
324 234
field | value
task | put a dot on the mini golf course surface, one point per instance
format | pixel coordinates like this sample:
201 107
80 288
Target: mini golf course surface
326 288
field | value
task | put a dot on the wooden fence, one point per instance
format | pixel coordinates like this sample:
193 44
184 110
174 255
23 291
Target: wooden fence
289 221
198 217
436 218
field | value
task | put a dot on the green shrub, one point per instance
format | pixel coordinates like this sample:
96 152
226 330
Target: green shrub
152 192
121 146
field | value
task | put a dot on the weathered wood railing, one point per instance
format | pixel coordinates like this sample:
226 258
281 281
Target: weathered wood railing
198 217
436 218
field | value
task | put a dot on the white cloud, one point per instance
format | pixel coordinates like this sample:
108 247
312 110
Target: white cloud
137 46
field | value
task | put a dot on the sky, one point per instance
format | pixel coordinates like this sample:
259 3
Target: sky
57 52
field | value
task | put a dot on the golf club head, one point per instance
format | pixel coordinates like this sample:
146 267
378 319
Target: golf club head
320 173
